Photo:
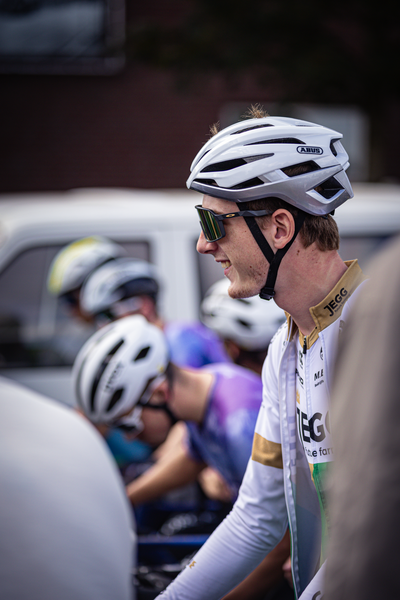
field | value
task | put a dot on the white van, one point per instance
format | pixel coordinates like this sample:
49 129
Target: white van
38 340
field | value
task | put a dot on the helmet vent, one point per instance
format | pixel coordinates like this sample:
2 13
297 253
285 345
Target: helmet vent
300 168
227 165
245 324
100 372
248 184
277 141
329 188
142 354
140 286
259 157
251 128
115 398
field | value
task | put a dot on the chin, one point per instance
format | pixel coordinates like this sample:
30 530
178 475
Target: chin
238 291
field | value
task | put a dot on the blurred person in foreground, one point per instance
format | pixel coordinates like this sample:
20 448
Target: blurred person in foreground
364 551
66 528
124 378
270 185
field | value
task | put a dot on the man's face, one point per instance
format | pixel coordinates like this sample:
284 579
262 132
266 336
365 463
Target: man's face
238 253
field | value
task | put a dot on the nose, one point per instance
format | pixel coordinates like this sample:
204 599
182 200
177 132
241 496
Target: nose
204 247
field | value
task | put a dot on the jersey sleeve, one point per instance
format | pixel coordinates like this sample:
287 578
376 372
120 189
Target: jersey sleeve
189 443
256 523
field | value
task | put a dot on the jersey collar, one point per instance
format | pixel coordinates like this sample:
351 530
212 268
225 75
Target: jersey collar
330 308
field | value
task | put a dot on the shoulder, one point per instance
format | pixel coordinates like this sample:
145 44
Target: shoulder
192 344
68 488
65 442
231 371
235 386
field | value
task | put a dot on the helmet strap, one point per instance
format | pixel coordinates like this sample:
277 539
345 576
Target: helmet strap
268 291
164 406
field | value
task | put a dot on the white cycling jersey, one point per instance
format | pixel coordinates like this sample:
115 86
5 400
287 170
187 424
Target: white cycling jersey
292 449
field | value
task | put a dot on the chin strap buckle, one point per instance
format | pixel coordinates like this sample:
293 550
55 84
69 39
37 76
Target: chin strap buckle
267 293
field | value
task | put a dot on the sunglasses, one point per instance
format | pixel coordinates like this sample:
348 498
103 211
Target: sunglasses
213 226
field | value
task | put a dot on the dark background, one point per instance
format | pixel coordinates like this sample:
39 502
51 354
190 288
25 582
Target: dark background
141 125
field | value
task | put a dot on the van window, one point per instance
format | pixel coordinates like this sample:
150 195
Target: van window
36 329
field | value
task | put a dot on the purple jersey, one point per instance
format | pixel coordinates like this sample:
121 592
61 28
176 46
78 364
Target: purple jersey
194 344
224 439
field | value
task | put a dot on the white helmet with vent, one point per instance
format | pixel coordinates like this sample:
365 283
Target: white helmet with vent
249 322
75 262
301 163
248 161
118 368
113 287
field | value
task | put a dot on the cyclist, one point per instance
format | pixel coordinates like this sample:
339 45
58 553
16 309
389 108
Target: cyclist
270 185
123 377
68 270
246 325
129 286
73 263
114 368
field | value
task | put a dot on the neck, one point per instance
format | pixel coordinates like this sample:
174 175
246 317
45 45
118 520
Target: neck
311 275
190 394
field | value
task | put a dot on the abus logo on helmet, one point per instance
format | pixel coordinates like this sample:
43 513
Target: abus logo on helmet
309 150
114 375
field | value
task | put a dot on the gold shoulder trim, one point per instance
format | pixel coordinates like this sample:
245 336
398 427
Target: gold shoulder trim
267 453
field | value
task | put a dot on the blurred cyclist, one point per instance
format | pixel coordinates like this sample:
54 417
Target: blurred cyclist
246 325
129 286
72 265
124 378
68 270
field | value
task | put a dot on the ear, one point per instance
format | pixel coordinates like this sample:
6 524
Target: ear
282 227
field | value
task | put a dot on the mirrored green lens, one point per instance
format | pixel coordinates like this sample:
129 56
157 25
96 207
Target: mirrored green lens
210 225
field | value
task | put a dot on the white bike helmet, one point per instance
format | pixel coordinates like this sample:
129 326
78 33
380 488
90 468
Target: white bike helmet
117 370
247 161
249 321
75 262
251 160
113 288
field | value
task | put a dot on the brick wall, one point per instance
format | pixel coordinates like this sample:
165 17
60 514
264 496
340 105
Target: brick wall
135 129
